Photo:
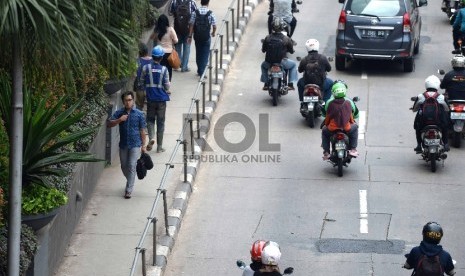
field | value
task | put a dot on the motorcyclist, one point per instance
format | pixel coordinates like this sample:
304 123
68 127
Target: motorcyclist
256 256
432 86
286 45
341 113
429 247
457 21
454 80
313 46
284 10
271 255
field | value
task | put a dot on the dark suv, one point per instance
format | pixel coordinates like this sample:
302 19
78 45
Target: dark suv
379 29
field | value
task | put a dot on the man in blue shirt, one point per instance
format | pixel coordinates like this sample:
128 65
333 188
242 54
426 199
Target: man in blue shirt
132 126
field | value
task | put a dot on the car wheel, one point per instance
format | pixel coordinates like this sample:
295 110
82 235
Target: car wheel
340 63
409 65
416 48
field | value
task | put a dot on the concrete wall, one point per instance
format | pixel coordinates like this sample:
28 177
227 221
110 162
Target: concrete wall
54 238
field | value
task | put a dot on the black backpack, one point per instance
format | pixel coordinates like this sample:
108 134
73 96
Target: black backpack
314 73
182 16
430 109
429 266
202 26
275 50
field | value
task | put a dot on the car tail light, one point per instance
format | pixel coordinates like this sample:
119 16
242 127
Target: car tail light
406 23
431 134
459 107
340 136
342 21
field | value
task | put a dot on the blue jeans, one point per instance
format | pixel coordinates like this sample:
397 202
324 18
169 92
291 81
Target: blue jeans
184 49
288 64
326 137
128 159
202 52
326 88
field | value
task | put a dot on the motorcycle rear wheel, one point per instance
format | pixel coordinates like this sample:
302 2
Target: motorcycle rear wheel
456 139
339 167
310 119
432 160
274 95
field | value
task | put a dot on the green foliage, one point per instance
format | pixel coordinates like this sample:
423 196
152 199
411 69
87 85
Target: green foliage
28 248
2 206
37 199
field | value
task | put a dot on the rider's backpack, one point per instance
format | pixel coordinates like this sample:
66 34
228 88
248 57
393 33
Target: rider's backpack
314 73
430 110
182 17
429 266
202 26
275 49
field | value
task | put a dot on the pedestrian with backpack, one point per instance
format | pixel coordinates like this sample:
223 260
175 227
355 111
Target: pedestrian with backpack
202 26
182 10
314 67
276 46
432 109
429 259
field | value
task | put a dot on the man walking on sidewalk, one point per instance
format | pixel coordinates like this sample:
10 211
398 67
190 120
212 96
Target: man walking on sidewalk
202 21
132 126
156 81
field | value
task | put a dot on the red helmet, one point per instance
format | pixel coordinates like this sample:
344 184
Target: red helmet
256 250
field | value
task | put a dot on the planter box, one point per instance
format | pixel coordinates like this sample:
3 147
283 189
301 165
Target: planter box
112 86
158 3
36 222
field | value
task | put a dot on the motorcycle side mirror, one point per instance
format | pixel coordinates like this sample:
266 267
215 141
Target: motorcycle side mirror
413 98
441 72
288 270
356 99
240 264
423 3
298 58
330 59
299 2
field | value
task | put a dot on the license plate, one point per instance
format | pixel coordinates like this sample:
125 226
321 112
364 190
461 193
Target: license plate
431 142
373 33
308 99
457 115
340 146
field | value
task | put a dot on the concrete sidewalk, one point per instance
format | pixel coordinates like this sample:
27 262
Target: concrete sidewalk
110 228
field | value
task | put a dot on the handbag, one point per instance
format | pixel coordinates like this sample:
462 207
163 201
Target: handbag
173 60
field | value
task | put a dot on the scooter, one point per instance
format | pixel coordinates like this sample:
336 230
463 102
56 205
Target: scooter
450 7
339 155
457 115
277 82
288 27
243 266
312 99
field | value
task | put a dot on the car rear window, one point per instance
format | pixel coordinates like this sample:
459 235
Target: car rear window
376 7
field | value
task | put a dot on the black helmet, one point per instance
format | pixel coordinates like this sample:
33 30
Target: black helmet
432 232
278 24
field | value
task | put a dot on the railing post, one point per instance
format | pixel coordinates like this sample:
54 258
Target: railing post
232 25
227 37
238 9
191 126
184 149
144 269
243 8
203 99
198 117
210 74
221 51
216 66
165 207
154 241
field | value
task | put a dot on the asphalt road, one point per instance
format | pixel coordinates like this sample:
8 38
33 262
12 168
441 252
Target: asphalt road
280 189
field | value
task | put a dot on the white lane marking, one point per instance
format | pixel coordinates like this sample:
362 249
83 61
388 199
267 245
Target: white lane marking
364 75
363 212
361 124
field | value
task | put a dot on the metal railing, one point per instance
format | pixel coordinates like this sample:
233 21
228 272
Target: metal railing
232 15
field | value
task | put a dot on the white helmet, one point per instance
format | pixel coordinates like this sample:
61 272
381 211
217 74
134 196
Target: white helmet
458 61
312 45
271 254
432 82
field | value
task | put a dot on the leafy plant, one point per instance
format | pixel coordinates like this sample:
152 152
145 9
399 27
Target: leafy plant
38 199
2 206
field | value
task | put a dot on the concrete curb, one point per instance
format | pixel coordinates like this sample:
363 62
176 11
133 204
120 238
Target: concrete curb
184 189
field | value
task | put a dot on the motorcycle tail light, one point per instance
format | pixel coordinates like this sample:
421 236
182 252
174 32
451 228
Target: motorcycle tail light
340 136
459 107
431 134
275 69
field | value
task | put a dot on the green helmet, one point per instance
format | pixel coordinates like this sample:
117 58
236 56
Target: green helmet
339 90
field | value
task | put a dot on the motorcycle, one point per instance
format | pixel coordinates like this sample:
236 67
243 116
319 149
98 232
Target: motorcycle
312 99
450 7
288 27
243 266
277 82
457 115
432 144
339 155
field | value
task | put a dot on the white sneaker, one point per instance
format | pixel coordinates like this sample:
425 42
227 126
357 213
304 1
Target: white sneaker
150 145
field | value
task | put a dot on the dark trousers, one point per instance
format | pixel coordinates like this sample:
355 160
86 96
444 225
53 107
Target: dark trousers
326 137
156 112
202 52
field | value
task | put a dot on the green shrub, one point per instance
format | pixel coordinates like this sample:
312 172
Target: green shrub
39 199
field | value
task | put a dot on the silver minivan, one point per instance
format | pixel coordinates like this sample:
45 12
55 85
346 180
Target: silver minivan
379 29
